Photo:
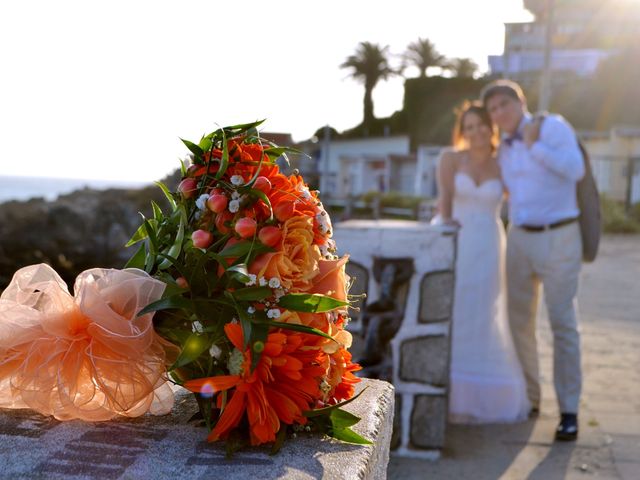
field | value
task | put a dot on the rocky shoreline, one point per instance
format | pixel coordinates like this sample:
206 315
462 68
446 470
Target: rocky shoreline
83 229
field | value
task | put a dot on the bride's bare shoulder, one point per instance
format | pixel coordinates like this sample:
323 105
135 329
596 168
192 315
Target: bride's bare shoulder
451 157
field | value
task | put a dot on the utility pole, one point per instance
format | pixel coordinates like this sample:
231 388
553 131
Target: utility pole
324 179
545 78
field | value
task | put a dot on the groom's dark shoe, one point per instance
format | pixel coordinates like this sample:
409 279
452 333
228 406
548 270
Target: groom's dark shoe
567 430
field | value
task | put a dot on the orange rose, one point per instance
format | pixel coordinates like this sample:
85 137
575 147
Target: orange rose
331 279
296 265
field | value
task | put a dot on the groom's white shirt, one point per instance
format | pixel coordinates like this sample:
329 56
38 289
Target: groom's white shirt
541 180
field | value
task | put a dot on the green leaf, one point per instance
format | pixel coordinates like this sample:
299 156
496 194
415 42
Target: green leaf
259 333
281 436
205 144
342 418
138 258
348 435
178 301
195 149
140 234
310 302
224 161
245 322
239 272
245 126
191 350
241 248
167 193
157 211
174 250
252 293
299 328
275 152
150 228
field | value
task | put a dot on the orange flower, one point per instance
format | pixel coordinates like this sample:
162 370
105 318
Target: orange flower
331 279
296 264
283 385
340 377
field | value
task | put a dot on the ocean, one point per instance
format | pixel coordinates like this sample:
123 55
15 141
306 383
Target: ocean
24 188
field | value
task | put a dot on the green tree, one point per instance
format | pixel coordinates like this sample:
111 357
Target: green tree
462 67
423 54
369 65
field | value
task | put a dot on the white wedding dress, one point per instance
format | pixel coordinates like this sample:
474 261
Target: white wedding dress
487 384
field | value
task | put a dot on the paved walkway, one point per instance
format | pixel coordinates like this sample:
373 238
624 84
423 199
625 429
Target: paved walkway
609 442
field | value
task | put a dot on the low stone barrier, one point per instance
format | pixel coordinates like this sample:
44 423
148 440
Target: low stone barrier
33 446
421 347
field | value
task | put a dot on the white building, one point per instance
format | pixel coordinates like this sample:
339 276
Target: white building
584 32
615 159
355 166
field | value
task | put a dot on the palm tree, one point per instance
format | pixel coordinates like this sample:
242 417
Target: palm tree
463 67
369 64
423 54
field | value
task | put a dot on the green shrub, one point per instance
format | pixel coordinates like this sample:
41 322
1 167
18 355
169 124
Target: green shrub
635 212
615 220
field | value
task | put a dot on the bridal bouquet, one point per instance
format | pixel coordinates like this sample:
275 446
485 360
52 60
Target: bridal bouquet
236 291
256 299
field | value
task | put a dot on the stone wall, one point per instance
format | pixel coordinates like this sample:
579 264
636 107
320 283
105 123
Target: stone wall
169 446
421 347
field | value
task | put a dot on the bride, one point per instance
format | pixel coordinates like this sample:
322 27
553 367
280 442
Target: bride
487 384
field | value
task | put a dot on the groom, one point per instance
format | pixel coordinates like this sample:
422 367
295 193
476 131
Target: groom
541 164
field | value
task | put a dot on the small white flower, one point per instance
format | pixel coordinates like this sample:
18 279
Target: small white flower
196 327
262 281
273 313
251 310
237 180
234 206
274 282
235 195
325 387
201 202
279 293
215 351
252 280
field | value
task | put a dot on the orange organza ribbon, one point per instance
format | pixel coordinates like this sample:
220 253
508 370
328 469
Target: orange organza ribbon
87 357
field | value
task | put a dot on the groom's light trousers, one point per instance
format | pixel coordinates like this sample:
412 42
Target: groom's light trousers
550 258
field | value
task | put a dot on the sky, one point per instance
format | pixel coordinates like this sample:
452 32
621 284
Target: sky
105 89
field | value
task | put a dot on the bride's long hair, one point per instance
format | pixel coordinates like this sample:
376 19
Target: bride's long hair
457 137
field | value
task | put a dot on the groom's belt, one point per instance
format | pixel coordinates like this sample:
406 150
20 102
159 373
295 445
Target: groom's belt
551 226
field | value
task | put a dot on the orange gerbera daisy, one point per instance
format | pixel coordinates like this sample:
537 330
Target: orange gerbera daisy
283 385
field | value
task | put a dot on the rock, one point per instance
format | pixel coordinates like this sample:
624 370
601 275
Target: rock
436 300
425 360
84 229
428 421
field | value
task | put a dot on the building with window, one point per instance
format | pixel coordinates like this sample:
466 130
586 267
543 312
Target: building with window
584 32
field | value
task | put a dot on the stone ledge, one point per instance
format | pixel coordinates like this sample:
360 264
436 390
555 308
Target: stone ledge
33 446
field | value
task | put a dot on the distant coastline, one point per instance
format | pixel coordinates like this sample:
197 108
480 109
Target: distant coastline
49 188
